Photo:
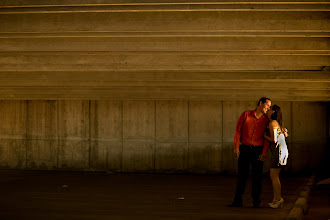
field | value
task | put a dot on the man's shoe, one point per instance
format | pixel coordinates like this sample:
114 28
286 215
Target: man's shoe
256 204
235 204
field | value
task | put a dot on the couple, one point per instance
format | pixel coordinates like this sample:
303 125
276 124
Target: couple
257 130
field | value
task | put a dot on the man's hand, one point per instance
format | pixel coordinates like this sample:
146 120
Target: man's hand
236 152
262 157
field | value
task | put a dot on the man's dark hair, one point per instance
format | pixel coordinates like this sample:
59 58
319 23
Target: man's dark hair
263 100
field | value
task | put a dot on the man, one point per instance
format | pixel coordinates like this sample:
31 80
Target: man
249 132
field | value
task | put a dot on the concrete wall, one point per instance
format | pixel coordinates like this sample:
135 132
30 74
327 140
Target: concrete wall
146 136
178 74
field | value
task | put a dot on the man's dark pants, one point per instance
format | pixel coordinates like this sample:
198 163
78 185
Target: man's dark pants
249 155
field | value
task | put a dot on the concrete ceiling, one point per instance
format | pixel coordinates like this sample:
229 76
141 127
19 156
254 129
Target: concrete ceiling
158 49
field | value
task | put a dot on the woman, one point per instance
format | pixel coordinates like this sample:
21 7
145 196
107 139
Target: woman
276 136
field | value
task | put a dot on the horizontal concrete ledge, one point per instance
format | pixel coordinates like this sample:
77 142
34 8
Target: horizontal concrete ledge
36 42
142 93
143 2
145 11
178 52
137 75
166 84
220 68
52 3
321 89
169 33
187 6
156 64
160 20
153 61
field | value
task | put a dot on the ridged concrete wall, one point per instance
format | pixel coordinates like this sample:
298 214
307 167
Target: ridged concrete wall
164 50
145 136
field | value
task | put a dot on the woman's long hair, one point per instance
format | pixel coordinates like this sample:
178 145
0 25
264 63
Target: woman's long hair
277 115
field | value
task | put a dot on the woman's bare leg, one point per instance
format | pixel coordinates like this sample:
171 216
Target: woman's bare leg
275 177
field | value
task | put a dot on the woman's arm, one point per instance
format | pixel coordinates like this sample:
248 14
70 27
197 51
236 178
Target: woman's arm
273 131
267 137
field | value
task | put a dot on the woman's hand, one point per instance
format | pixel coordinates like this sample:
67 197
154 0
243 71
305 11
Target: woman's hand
268 138
265 135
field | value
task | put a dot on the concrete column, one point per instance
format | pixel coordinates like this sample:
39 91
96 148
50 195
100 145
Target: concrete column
73 130
13 117
138 136
205 136
106 127
42 135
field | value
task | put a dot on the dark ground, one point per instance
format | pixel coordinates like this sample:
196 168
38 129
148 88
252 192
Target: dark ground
51 195
319 202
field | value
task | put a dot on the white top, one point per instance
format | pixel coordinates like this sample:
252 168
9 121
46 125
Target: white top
281 144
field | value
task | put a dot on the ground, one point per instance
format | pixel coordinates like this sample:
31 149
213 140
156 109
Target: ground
91 195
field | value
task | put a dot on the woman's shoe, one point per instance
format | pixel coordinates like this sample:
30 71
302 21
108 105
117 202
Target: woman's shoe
277 204
271 203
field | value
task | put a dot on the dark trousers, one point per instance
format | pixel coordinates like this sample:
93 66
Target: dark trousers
249 155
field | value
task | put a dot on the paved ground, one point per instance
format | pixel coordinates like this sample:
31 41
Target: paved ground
84 195
319 203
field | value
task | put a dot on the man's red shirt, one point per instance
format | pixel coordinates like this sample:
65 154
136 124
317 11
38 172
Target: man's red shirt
250 130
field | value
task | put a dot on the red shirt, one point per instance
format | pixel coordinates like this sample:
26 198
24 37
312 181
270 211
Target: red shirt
250 130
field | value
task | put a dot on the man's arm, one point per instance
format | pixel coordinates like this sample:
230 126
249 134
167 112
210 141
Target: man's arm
238 132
